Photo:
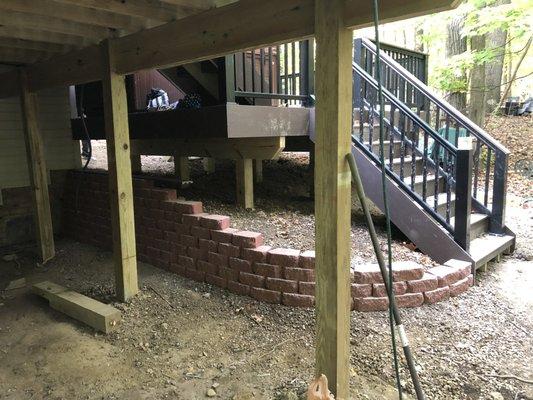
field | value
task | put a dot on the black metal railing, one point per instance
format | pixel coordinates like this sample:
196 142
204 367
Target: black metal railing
414 62
425 172
275 75
490 158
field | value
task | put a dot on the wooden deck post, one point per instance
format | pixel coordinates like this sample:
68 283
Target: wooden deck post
258 170
120 181
37 170
136 164
209 165
245 182
182 170
332 193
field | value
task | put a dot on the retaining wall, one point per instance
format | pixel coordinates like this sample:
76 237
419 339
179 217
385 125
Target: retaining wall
178 236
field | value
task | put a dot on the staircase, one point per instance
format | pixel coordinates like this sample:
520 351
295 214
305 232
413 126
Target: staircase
446 176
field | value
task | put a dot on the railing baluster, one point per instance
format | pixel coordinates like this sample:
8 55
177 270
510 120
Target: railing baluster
477 157
487 177
293 59
262 69
244 87
425 167
252 59
436 176
449 173
391 138
278 70
402 146
413 156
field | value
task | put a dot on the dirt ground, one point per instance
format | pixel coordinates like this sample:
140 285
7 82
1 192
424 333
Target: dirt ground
180 338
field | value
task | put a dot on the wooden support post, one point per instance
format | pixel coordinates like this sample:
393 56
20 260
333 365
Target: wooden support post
332 193
209 165
182 170
463 196
258 170
120 181
136 164
37 170
245 183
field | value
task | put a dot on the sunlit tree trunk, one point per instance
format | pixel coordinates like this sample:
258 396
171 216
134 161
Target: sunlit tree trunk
455 45
476 106
495 40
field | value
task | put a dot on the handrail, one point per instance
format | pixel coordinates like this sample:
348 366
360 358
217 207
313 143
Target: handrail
443 104
400 105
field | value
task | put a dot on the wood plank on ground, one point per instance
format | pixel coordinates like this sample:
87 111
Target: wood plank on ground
100 316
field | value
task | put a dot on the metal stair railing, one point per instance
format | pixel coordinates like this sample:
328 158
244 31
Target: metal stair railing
490 158
398 130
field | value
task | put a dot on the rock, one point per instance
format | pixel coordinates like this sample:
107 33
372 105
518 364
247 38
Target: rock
211 392
496 396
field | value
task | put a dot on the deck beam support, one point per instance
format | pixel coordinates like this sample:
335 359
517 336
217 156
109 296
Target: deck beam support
333 193
120 180
247 24
38 173
182 169
245 182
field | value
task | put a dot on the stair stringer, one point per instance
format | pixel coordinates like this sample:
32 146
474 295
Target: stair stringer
407 215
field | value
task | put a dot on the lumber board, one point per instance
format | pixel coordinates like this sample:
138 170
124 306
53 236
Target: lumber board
333 194
100 316
38 172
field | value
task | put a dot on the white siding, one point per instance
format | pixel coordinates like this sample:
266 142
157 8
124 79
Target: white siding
54 121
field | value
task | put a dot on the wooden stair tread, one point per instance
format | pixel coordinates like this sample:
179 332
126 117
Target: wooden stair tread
485 248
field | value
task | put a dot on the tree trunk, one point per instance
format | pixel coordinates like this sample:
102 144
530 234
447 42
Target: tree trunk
456 44
495 40
419 38
476 107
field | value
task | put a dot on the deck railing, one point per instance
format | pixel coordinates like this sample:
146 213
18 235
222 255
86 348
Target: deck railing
276 75
490 158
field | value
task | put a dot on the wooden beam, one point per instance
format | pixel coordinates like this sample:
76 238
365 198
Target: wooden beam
97 315
33 45
332 194
42 36
212 33
37 170
223 148
22 56
75 13
192 4
120 181
244 183
53 24
148 9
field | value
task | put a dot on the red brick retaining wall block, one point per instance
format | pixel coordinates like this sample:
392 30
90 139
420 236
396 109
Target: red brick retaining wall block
178 236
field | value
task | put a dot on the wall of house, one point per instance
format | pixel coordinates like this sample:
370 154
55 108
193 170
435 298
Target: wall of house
61 152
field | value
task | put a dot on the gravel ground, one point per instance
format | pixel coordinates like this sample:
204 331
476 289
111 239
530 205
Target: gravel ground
181 338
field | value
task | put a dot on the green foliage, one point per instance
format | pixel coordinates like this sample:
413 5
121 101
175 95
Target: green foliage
481 17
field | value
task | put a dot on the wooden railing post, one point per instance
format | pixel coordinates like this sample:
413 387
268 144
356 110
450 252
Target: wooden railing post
499 192
463 195
333 193
358 48
230 78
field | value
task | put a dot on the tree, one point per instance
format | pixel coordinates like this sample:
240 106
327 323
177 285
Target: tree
496 41
455 46
477 101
